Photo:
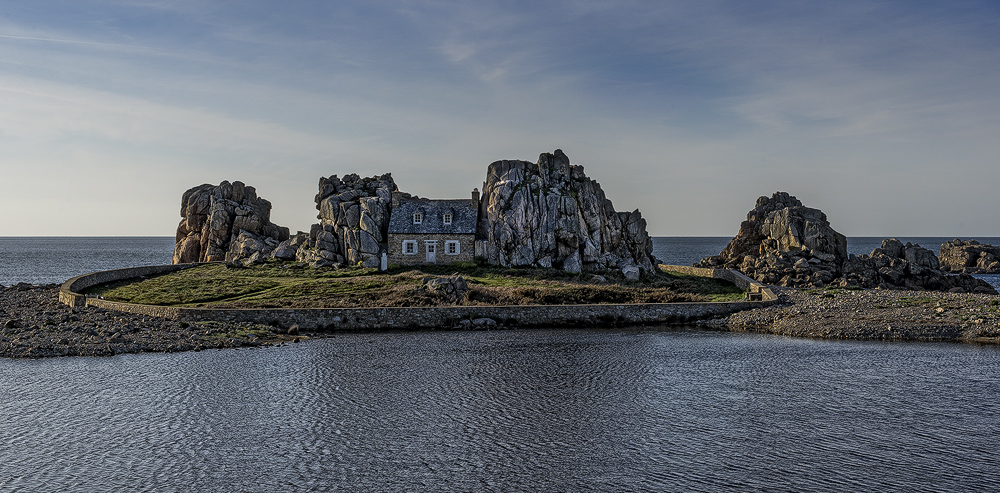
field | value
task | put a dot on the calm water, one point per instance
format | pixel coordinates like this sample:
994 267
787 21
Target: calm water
510 410
599 410
46 260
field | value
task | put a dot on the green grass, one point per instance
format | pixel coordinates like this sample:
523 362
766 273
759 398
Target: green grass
281 285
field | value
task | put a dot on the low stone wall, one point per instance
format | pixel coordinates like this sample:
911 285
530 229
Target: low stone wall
398 318
756 291
69 291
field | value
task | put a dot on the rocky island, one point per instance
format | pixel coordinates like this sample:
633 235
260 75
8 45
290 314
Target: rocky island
897 292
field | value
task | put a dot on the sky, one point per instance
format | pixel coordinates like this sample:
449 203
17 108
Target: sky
885 115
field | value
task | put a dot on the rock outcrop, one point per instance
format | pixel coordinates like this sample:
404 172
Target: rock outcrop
225 222
970 257
354 220
783 242
908 266
550 214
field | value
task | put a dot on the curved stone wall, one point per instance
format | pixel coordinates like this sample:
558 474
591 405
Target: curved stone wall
400 318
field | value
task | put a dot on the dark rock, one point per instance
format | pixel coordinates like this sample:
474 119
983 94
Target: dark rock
452 289
225 222
354 221
970 257
784 242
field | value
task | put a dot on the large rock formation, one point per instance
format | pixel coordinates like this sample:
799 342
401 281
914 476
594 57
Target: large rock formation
907 266
225 222
783 242
550 214
354 219
970 257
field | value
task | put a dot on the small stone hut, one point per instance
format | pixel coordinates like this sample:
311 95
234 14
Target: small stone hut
425 231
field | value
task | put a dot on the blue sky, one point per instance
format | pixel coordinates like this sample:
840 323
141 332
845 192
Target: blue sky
885 115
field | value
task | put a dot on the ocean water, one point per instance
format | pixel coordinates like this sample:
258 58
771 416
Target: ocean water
656 409
48 260
515 410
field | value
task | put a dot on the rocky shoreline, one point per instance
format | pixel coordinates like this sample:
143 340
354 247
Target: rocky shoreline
33 324
873 314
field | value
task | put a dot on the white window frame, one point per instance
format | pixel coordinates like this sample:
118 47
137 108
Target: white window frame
413 247
447 218
449 243
418 217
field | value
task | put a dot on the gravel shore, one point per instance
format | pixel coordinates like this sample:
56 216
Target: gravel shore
874 314
33 324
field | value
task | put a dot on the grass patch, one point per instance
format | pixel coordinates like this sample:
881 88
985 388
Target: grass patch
281 285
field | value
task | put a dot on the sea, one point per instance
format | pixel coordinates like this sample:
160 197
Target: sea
606 409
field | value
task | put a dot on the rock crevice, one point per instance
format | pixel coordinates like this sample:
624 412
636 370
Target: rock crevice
225 222
550 214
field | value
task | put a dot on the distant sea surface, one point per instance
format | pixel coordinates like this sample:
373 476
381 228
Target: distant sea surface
46 260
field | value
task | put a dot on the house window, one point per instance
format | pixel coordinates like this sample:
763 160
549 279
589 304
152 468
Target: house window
447 218
410 247
418 217
451 247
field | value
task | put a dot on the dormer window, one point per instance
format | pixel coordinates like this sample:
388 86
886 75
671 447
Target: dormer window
447 218
418 217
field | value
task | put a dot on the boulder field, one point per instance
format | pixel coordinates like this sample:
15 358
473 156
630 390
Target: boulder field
784 243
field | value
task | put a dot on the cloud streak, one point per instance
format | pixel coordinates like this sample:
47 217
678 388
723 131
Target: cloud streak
685 110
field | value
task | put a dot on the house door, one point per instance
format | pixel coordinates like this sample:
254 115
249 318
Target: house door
431 252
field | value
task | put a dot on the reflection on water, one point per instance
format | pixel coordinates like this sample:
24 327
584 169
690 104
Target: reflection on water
509 410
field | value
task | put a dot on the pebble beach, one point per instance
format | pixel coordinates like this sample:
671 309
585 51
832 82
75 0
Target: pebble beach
33 324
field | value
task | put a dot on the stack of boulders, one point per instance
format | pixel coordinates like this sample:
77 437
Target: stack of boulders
784 243
227 222
908 266
970 257
354 220
550 214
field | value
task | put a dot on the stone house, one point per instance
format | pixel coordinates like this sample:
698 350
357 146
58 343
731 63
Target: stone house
424 231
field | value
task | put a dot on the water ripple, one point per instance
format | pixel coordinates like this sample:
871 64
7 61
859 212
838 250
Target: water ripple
509 411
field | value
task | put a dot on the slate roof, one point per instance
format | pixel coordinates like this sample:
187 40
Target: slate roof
463 217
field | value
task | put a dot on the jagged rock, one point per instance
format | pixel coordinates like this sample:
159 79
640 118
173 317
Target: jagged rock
285 250
225 222
909 266
354 219
970 257
783 242
550 214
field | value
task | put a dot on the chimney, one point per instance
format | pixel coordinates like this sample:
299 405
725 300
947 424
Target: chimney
475 197
395 200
